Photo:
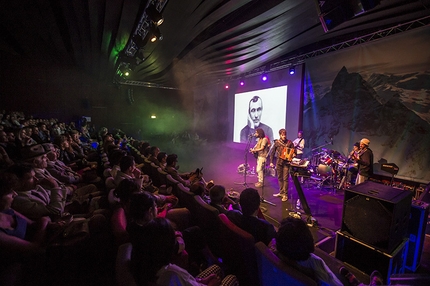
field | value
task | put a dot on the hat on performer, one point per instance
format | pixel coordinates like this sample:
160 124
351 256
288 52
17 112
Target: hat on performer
365 141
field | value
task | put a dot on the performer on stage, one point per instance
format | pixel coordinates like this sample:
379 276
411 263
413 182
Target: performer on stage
284 150
364 159
260 150
299 144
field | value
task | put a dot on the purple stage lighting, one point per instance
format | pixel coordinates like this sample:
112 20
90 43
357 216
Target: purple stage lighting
292 70
264 77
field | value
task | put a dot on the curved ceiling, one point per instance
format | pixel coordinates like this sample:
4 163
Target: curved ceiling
202 39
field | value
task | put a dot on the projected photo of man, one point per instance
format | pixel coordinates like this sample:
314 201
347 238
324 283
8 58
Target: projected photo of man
255 110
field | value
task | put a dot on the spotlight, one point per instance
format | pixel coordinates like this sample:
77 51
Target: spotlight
242 82
156 34
292 70
125 70
226 86
264 77
154 15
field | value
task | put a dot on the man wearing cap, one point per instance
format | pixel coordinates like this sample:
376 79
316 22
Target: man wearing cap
364 159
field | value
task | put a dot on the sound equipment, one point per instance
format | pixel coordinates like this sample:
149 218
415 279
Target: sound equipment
334 12
390 168
367 259
416 233
376 214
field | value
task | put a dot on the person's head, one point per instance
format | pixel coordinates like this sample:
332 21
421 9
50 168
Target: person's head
356 146
364 143
26 176
283 134
53 151
255 110
217 194
143 207
74 134
161 157
42 126
198 188
249 201
153 247
35 155
127 164
294 239
300 134
154 151
260 133
3 137
8 184
125 189
116 155
171 160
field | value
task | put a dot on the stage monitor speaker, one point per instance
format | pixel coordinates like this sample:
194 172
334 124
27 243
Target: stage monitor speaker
416 233
376 214
367 259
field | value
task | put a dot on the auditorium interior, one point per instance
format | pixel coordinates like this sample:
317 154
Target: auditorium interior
182 75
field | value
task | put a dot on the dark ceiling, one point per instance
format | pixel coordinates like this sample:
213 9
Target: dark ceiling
202 39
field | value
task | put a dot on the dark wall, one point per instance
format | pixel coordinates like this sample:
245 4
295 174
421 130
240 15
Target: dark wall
47 90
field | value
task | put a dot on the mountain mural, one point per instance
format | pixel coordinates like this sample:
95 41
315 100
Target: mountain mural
390 110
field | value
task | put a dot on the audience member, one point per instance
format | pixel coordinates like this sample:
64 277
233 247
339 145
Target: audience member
220 201
33 200
153 247
259 228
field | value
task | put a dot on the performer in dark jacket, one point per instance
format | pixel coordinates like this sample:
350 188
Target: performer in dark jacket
284 150
364 159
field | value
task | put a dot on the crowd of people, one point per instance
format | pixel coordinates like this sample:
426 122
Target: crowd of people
60 181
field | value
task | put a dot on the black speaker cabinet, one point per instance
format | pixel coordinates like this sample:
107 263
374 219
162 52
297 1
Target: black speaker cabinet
367 258
376 214
416 234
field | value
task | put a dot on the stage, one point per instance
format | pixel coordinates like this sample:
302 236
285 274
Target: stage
223 162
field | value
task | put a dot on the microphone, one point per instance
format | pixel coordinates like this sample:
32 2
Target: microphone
251 135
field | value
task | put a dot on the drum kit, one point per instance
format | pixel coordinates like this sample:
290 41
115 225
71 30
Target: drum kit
329 167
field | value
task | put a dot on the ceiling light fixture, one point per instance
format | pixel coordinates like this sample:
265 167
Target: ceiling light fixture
154 15
264 77
292 70
241 82
156 34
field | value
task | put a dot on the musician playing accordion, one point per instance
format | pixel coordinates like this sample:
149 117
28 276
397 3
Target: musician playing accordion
284 151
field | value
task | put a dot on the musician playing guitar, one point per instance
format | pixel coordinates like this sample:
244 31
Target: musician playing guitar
284 150
260 151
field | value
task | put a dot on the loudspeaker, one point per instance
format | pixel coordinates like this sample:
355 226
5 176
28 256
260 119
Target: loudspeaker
376 214
334 12
416 233
367 259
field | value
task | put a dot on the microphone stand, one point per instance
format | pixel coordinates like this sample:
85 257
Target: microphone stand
248 144
262 199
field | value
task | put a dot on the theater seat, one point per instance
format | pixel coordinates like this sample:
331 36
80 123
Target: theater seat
122 266
272 271
238 252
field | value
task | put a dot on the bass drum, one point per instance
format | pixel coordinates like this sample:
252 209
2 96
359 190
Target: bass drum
324 170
